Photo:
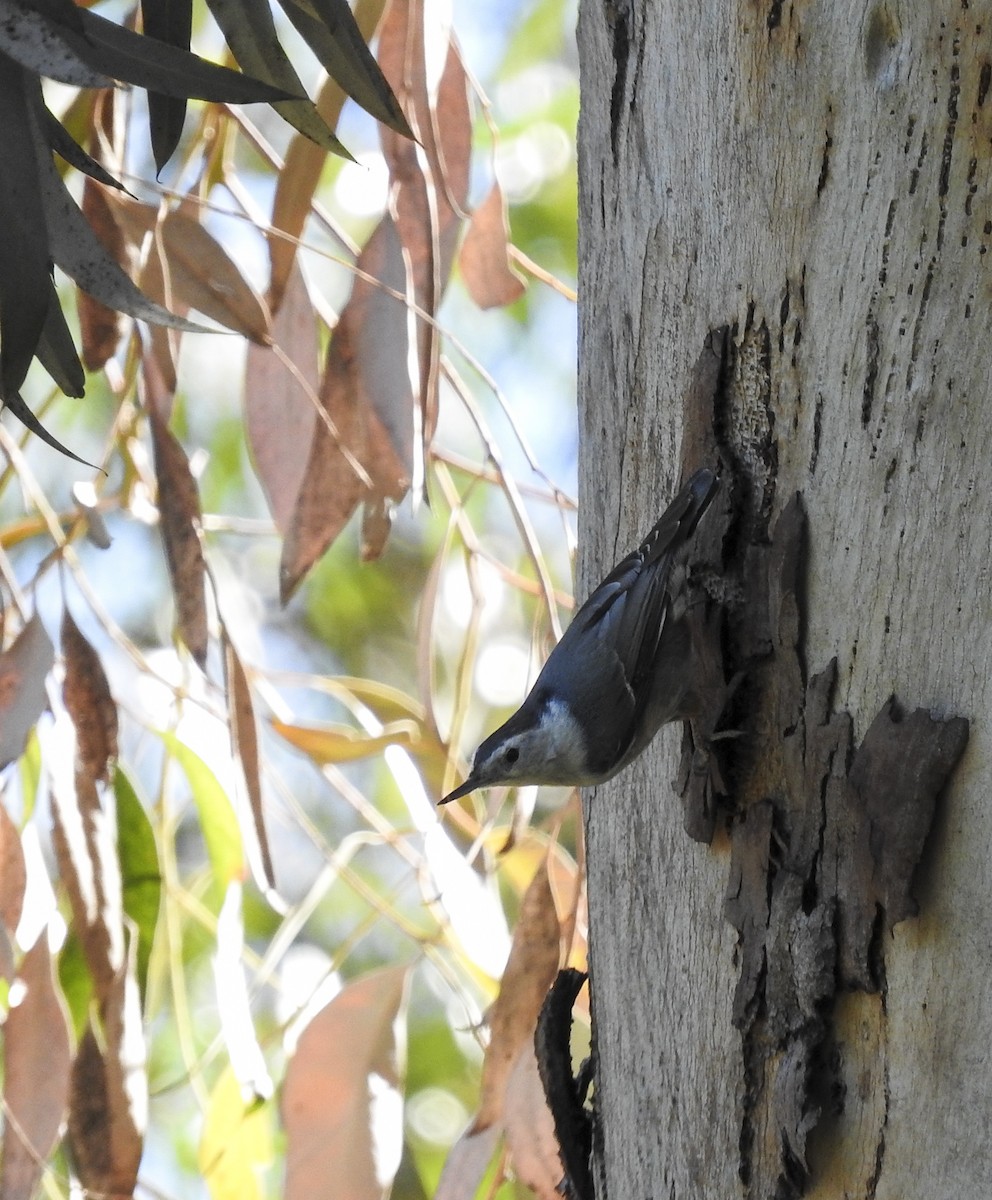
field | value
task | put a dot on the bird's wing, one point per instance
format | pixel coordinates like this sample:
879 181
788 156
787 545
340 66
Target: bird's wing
608 654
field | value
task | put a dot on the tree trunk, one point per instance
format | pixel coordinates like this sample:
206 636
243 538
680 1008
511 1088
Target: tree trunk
815 178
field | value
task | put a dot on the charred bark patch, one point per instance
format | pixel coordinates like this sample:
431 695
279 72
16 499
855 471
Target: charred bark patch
825 833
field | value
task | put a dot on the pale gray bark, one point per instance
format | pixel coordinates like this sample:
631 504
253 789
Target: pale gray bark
819 173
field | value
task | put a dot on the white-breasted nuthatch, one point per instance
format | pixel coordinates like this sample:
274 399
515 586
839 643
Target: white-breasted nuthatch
617 675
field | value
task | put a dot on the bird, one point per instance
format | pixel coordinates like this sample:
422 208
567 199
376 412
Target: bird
618 674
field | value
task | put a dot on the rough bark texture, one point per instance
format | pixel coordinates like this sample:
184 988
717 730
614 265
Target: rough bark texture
770 1018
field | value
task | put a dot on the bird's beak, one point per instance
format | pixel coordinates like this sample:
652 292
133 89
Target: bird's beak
470 784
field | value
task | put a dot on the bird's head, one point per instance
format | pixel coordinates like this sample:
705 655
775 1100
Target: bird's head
540 743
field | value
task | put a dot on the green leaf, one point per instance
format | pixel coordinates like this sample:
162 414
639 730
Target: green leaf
330 30
79 252
57 352
66 146
47 46
16 404
160 67
250 32
29 765
76 982
141 878
171 22
24 257
218 821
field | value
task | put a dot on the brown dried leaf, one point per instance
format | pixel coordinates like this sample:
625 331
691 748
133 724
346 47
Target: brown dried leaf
244 746
530 970
530 1128
381 417
332 486
13 875
99 325
163 342
86 850
429 190
201 274
280 414
327 1096
108 1094
87 698
179 513
466 1164
23 668
35 1075
484 257
339 744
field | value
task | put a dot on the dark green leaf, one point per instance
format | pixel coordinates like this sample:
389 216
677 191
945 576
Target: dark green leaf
66 146
329 29
141 878
24 259
160 67
250 32
169 21
78 251
57 351
15 404
47 47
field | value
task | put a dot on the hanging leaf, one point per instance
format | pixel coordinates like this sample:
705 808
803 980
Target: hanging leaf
339 744
234 1001
159 67
484 257
99 325
84 841
341 1090
24 666
141 879
56 350
179 519
66 146
530 1128
530 971
13 879
236 1143
201 274
250 33
87 698
244 747
24 257
109 1093
330 30
36 1058
218 821
171 22
466 1164
279 413
77 250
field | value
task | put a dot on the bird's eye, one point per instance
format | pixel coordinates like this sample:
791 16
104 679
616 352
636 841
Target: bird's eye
512 754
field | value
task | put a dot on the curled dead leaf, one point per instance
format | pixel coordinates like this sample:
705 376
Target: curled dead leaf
530 970
179 513
484 257
87 698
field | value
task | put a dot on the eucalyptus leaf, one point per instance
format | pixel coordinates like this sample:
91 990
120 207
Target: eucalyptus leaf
251 34
24 260
46 47
171 22
330 30
156 65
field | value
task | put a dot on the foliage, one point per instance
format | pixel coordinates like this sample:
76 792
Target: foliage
266 962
